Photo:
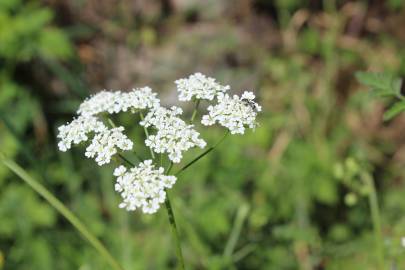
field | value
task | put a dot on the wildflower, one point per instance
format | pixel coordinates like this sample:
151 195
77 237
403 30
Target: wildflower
233 113
77 131
173 135
403 242
117 101
199 86
142 186
105 144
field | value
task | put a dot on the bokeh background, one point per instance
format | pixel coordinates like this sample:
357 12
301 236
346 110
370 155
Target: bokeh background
271 199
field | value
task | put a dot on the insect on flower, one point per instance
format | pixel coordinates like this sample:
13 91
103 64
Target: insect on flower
250 103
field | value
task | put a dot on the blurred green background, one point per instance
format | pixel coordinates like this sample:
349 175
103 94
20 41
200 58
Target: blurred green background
287 196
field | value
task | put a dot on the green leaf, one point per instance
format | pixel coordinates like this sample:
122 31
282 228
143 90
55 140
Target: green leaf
383 84
394 110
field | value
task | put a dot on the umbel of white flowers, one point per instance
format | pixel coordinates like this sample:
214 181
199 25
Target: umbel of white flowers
144 186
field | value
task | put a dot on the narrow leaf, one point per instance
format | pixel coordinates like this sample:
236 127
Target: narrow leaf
62 209
394 110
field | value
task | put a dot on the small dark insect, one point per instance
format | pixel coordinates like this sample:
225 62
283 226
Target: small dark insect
250 103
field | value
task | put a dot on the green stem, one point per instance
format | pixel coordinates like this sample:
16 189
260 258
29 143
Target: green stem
63 210
201 155
175 233
173 226
161 159
197 103
376 219
172 220
126 160
169 168
110 121
147 135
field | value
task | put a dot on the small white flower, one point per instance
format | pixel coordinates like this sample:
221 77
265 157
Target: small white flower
119 171
117 101
142 187
173 135
105 143
199 86
233 113
403 242
77 131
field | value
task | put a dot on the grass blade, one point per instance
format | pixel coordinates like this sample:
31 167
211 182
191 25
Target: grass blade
62 209
236 230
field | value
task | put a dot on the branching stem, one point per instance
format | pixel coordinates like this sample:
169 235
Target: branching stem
197 103
147 135
203 154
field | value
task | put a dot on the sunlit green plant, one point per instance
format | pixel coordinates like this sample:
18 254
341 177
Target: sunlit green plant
144 185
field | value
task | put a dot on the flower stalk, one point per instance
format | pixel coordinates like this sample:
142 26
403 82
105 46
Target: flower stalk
147 135
203 154
175 233
197 103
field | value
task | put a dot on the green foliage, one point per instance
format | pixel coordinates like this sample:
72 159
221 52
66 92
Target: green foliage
290 195
382 84
25 32
385 85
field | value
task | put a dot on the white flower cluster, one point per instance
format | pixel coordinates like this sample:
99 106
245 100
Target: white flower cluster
233 113
173 135
142 186
77 131
115 102
105 143
199 86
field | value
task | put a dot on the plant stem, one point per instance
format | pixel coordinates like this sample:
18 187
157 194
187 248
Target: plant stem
173 226
376 219
147 135
202 154
175 233
126 160
63 210
197 103
161 159
172 220
169 168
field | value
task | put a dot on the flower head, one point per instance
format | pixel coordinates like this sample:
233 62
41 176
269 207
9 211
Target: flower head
173 135
117 101
77 131
233 113
199 86
105 144
142 186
